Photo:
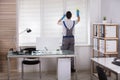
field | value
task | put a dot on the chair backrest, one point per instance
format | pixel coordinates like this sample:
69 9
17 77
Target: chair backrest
101 74
28 50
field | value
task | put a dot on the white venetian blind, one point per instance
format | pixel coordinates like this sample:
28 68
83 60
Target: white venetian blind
81 29
28 17
54 9
42 16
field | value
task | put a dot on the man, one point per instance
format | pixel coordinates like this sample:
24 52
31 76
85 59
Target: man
68 33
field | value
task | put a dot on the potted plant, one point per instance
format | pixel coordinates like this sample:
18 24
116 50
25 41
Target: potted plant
104 19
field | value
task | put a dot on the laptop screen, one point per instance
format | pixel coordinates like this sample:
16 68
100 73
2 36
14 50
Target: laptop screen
48 43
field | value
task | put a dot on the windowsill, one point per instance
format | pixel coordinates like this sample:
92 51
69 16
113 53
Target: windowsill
33 44
82 45
27 44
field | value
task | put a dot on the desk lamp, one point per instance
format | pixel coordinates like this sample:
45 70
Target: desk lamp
28 30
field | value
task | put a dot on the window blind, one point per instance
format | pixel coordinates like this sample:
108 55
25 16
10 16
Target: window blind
28 17
42 17
54 9
81 29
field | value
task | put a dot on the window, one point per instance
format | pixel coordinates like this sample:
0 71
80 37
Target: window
42 16
81 29
28 17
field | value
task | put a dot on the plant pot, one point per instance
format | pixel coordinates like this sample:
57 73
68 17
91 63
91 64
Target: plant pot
104 21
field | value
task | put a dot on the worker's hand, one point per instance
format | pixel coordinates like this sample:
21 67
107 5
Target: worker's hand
77 12
63 17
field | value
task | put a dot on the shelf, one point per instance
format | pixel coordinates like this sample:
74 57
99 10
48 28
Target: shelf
106 24
95 37
107 53
109 38
105 38
95 74
96 50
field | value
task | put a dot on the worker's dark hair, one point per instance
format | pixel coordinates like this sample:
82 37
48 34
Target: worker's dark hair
68 14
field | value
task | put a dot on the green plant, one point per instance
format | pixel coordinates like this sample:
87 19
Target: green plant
104 18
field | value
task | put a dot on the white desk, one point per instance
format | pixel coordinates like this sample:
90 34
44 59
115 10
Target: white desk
64 61
107 63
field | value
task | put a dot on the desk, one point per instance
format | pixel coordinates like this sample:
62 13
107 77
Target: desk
60 55
107 63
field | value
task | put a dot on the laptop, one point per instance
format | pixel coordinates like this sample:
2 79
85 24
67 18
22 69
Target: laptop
48 43
116 61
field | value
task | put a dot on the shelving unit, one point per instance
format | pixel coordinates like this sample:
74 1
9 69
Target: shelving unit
105 42
105 39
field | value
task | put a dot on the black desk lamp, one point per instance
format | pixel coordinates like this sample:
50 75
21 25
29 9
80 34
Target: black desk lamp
28 30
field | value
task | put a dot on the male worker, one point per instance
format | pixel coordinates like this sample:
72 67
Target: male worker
68 33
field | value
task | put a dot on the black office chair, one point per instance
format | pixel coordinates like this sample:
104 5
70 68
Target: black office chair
30 61
101 74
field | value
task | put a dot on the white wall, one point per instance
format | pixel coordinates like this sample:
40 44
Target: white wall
95 11
110 9
83 57
95 15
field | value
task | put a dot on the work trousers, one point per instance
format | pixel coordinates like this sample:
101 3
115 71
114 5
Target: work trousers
68 44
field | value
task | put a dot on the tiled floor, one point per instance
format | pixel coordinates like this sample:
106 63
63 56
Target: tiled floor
81 75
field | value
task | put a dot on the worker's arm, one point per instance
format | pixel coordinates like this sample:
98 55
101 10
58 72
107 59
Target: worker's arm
78 19
78 15
61 19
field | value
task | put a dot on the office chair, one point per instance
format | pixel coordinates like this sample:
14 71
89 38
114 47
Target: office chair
30 61
101 74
